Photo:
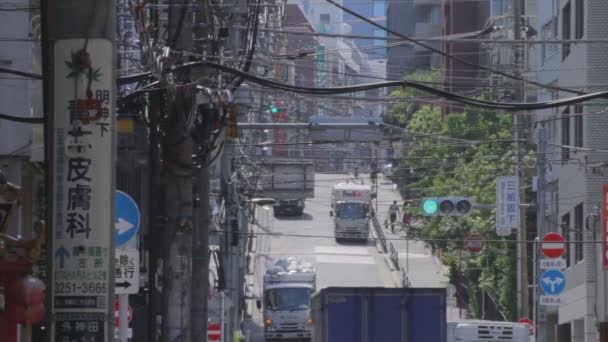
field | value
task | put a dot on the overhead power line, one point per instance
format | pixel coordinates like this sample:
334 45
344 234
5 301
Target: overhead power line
405 83
428 47
22 119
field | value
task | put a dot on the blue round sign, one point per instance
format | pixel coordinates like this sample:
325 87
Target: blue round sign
127 218
553 282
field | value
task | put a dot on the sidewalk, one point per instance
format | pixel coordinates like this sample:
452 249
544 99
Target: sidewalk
423 268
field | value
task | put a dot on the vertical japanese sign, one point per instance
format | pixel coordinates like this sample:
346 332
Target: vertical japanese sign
83 190
605 221
507 204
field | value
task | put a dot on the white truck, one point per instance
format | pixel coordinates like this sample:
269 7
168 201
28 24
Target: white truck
350 207
289 182
288 287
481 331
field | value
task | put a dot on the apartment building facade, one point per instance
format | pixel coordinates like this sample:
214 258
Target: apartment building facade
577 172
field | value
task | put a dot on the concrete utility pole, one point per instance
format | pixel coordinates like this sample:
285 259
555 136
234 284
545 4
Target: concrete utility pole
538 310
79 103
200 255
178 183
177 271
154 240
522 255
230 232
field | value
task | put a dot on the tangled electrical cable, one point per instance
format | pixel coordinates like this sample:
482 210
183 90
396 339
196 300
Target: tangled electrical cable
405 83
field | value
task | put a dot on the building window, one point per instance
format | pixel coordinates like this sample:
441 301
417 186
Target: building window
548 32
325 19
565 135
379 33
284 73
566 235
579 30
578 233
566 30
578 125
379 9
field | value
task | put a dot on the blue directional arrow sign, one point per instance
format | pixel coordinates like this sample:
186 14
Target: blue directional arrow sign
553 282
127 218
62 253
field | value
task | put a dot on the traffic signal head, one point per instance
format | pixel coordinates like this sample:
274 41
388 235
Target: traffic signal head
274 110
447 206
430 206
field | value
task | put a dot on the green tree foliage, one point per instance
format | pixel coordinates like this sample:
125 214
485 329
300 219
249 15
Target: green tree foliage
461 154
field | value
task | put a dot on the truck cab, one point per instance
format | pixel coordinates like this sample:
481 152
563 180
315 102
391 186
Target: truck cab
288 288
350 205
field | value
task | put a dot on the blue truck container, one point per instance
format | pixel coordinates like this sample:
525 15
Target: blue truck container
341 314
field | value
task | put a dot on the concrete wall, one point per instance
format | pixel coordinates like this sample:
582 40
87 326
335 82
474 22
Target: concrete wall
15 92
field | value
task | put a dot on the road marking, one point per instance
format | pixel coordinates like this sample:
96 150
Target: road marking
346 250
345 259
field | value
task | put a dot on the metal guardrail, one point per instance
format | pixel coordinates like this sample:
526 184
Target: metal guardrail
393 253
379 231
405 279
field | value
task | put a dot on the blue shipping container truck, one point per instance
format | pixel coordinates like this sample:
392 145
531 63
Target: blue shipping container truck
376 314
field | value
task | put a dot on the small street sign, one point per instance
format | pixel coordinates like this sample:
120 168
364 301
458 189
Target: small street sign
553 282
129 333
549 300
503 231
214 332
547 264
81 130
526 320
474 243
553 245
127 218
126 276
507 204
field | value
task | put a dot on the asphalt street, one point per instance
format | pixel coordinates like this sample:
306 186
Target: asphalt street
355 264
310 238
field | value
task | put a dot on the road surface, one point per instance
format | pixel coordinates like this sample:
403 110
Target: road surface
310 237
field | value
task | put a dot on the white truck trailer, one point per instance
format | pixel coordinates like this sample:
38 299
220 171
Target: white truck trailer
289 182
350 207
288 287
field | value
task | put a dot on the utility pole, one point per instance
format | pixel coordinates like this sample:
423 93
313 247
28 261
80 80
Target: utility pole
200 255
522 255
178 184
230 233
539 310
154 241
79 99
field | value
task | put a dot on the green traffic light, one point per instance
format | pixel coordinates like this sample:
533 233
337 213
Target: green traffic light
274 110
429 206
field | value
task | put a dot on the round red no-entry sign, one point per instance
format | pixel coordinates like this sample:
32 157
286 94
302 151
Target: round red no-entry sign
553 245
529 322
214 332
473 243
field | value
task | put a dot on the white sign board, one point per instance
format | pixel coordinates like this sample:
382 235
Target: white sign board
546 264
126 276
549 300
507 203
82 130
129 333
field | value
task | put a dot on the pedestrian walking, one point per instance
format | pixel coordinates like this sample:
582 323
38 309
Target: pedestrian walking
393 212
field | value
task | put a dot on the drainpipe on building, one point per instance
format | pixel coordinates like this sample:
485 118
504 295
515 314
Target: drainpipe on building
591 316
